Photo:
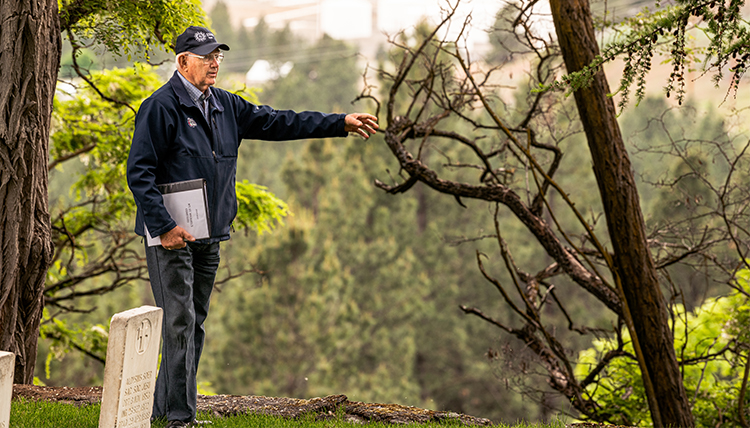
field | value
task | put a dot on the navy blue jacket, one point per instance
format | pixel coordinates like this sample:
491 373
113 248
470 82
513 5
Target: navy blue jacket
173 142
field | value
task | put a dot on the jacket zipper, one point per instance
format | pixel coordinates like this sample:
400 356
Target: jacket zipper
213 127
213 138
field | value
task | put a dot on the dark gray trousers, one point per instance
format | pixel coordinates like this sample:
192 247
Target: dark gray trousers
181 281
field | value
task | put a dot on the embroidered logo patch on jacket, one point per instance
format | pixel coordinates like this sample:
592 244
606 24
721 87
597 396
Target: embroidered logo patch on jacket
191 122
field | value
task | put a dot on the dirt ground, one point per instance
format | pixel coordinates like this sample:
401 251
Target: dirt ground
225 405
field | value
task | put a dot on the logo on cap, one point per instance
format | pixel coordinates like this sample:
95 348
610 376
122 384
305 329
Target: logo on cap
202 37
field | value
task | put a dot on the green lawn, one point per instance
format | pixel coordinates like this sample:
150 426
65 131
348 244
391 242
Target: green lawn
43 414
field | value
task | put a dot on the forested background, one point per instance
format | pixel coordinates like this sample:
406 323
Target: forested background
357 291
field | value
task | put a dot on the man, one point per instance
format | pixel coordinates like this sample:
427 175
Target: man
188 130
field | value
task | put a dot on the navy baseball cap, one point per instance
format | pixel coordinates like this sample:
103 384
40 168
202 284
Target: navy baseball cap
198 40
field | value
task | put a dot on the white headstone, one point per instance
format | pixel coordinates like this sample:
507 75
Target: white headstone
7 367
130 369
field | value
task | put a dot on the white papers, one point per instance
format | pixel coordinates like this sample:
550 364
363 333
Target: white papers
187 204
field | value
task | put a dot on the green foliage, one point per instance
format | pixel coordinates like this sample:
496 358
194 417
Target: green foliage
129 27
665 31
88 339
712 343
739 324
85 122
97 212
258 208
86 59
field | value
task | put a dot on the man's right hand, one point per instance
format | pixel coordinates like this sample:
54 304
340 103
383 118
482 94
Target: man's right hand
175 238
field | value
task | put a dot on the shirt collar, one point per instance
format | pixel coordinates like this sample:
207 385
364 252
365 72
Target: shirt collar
195 94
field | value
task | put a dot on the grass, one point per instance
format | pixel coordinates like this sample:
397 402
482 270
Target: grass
44 414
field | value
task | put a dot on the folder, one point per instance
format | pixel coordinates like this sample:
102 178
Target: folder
187 204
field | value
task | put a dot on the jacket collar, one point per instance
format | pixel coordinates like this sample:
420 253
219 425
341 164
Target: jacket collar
182 95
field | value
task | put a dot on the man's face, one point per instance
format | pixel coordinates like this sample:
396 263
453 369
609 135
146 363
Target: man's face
198 72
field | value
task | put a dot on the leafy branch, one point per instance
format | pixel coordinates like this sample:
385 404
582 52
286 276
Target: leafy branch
665 30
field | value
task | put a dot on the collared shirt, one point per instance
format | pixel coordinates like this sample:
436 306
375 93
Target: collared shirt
199 98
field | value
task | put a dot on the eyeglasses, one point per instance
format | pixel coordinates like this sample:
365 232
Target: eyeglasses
208 59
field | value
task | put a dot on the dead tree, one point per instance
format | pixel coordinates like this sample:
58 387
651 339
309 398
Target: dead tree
439 102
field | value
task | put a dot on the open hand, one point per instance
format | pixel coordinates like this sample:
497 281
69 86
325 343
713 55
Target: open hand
362 123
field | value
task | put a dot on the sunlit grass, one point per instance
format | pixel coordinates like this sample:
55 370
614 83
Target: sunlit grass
45 414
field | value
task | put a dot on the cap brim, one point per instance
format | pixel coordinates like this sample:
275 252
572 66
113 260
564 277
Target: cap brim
208 48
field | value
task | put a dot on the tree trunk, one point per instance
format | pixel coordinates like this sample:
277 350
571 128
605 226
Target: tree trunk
30 49
632 259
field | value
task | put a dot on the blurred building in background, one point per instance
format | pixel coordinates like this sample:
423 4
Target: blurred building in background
365 23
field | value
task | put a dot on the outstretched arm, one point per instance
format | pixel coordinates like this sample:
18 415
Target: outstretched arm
362 123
